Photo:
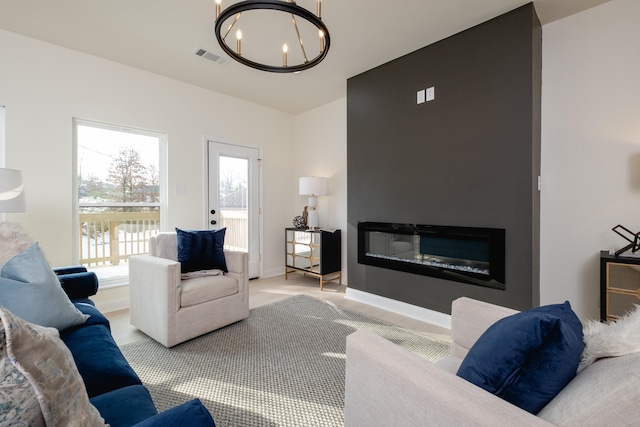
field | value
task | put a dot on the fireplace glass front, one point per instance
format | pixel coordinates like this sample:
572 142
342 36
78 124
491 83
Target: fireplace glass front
464 254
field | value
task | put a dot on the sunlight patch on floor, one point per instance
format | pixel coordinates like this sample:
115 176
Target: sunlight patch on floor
336 355
256 401
158 376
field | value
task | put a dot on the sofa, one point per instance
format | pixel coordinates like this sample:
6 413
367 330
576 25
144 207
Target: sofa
112 385
388 385
173 304
59 364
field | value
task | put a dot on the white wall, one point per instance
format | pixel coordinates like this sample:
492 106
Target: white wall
590 147
321 150
590 143
45 86
590 150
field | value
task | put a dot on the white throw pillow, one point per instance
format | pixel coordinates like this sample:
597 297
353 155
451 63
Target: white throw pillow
166 246
616 338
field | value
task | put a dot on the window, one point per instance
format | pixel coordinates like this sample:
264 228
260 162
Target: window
119 186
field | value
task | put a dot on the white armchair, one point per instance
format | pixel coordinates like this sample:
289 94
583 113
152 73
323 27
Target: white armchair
171 310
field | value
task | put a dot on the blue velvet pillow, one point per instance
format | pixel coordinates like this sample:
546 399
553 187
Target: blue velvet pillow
126 406
528 358
201 250
189 414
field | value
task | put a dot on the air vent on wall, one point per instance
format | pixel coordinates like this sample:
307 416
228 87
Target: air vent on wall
211 56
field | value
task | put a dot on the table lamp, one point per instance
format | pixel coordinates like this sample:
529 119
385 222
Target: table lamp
11 191
313 186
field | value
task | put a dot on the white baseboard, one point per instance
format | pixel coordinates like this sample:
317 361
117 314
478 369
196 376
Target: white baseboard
280 271
272 272
114 305
420 313
112 298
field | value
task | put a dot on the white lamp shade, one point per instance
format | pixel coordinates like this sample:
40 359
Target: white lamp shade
313 186
11 191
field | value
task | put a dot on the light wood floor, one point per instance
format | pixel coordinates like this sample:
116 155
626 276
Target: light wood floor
267 291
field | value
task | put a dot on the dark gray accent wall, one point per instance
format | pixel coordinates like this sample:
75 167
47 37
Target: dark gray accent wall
469 158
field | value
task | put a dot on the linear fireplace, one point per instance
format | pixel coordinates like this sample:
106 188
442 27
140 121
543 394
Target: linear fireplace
463 254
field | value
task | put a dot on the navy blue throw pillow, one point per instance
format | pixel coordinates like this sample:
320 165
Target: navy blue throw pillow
201 250
528 358
190 414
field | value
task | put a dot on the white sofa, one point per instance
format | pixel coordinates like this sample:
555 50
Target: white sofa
387 385
171 310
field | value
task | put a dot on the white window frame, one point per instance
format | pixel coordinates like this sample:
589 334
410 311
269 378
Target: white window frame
162 178
3 140
3 144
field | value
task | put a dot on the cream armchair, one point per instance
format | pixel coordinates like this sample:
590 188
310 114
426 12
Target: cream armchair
171 310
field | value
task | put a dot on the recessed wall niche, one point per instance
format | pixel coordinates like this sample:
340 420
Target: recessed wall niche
468 158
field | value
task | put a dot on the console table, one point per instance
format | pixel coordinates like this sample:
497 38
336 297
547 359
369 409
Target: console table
619 285
315 253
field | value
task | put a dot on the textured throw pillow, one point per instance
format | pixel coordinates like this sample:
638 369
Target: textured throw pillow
32 291
527 358
201 250
13 240
42 366
616 338
20 404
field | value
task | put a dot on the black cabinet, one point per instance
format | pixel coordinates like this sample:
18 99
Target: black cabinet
315 253
619 285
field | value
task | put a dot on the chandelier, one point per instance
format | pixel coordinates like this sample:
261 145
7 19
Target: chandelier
267 59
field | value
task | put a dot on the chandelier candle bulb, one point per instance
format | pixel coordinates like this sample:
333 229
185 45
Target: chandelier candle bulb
285 49
319 9
239 42
218 2
321 36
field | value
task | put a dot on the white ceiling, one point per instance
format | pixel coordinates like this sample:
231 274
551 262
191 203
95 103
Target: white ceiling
160 36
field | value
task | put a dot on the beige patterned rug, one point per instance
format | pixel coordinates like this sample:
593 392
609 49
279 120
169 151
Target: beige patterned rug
283 366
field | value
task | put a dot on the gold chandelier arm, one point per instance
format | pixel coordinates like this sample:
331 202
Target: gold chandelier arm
295 24
231 26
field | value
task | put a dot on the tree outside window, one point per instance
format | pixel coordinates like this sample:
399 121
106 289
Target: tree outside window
118 186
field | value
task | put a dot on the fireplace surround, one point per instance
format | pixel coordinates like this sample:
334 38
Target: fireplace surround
462 254
471 157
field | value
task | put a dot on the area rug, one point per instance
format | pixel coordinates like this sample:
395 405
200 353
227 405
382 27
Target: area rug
283 366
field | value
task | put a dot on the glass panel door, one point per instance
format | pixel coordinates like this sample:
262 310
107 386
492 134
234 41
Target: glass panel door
234 198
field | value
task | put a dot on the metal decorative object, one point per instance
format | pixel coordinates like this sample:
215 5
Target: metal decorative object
305 218
629 236
298 222
290 7
302 222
